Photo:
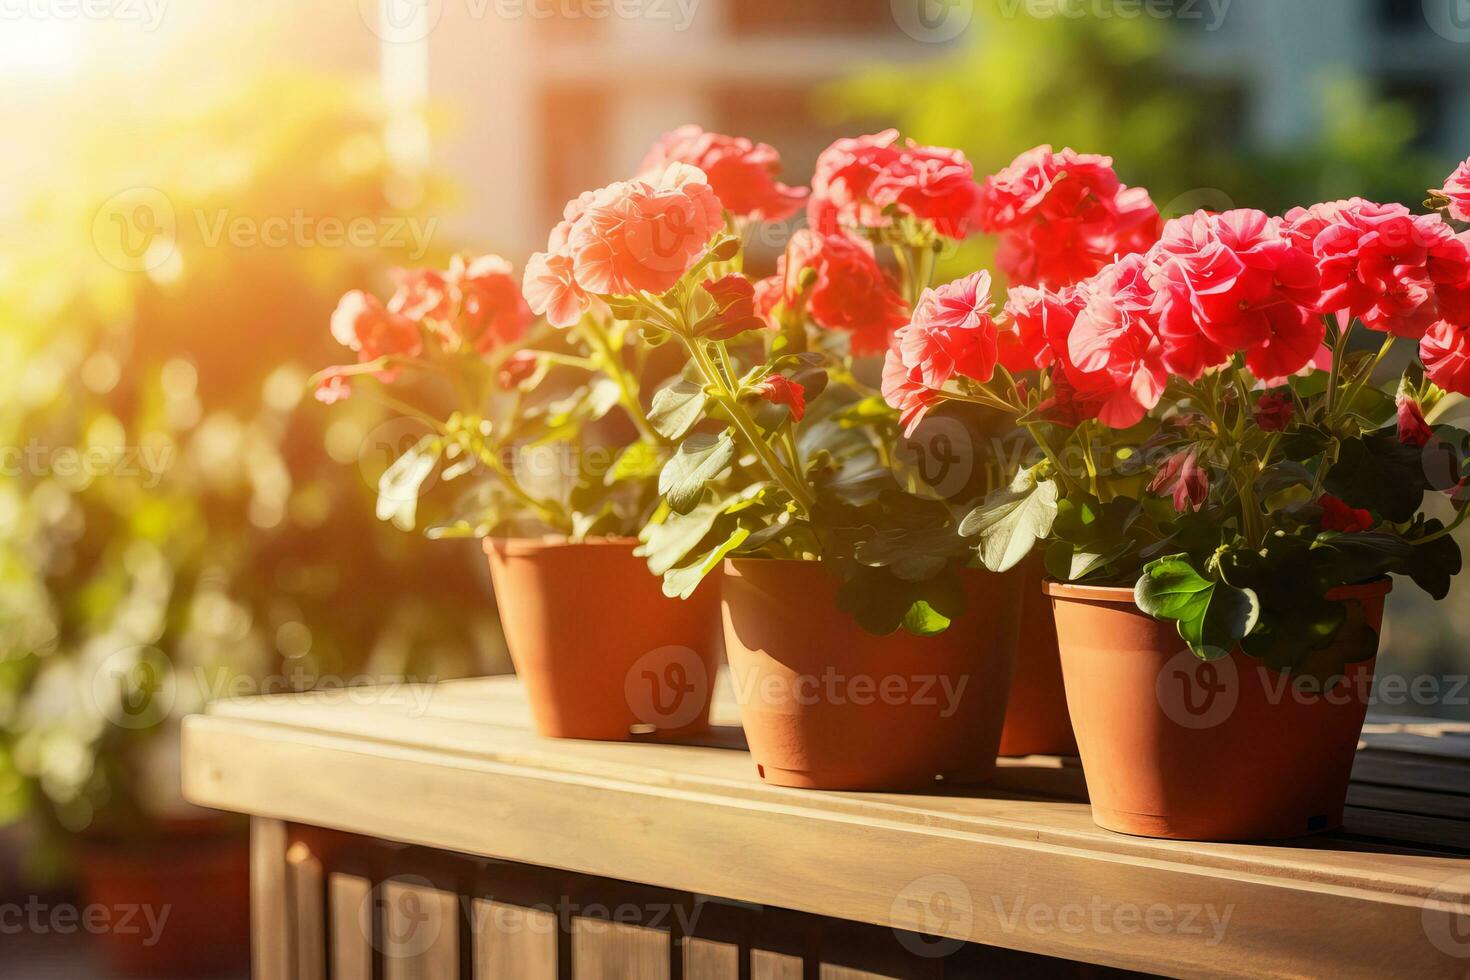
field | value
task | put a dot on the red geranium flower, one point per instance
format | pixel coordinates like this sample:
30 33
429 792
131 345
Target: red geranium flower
1338 516
742 173
550 286
781 390
1182 477
1445 351
849 291
1273 412
843 179
1380 262
361 323
735 307
1063 216
951 333
1413 430
1039 321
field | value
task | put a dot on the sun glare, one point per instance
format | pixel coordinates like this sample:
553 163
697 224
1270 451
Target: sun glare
42 49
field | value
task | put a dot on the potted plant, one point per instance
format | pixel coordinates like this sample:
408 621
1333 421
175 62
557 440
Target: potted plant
864 653
1224 494
544 437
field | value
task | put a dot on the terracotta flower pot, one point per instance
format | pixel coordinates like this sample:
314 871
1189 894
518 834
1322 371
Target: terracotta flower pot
602 652
827 705
1227 750
176 907
1037 722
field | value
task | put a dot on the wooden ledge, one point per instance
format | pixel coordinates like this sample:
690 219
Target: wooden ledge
1018 864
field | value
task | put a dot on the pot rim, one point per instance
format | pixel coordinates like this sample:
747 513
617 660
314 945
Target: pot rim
1120 594
521 547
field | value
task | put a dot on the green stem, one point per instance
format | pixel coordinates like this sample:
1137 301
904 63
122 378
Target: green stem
612 367
1335 374
490 456
727 399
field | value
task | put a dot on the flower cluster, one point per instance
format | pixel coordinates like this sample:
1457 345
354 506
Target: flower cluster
474 305
629 237
741 173
861 183
1062 216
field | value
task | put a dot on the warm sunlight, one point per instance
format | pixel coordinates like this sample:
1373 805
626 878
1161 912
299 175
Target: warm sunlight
40 49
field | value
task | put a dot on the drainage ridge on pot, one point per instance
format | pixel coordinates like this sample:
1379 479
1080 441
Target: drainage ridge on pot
827 705
601 651
1222 750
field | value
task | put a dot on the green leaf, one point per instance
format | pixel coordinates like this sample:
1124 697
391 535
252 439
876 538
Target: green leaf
680 583
1381 474
676 408
923 619
399 486
1011 521
639 461
1433 565
882 603
1212 617
699 459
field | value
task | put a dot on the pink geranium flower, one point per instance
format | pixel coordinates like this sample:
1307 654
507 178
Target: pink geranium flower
1380 262
1063 216
636 235
334 386
932 183
741 173
550 287
1114 345
476 302
1456 191
951 333
1234 282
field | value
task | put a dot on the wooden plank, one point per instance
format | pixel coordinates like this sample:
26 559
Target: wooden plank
512 942
832 972
766 964
351 900
1352 914
420 939
603 950
269 937
307 917
706 959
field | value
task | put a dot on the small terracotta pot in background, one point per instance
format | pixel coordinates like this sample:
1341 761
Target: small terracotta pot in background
186 899
602 652
827 705
1037 722
1224 750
